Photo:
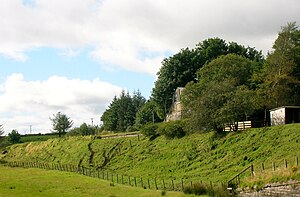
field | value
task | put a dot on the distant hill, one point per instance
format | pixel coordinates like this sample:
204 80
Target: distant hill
197 157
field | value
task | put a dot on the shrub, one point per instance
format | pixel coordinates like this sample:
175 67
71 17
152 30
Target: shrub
172 129
150 130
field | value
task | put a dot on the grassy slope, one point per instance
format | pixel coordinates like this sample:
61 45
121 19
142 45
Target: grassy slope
196 157
15 182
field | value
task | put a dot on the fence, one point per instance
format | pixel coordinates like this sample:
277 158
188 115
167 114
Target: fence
146 183
264 166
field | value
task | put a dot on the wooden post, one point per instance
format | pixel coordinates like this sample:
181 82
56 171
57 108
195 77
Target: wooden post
173 185
142 182
148 183
182 184
135 181
273 165
262 166
252 170
285 162
155 183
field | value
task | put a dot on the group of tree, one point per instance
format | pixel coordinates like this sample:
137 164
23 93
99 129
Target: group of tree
227 82
122 111
181 68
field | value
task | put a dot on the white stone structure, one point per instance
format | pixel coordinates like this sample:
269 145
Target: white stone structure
176 108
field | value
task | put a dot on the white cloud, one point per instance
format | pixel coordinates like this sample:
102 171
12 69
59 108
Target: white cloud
119 29
24 103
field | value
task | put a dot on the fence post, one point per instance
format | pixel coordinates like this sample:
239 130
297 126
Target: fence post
252 170
148 183
173 185
155 183
262 166
163 184
285 162
273 164
182 184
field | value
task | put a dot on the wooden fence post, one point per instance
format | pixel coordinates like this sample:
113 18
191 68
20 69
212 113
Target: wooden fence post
148 183
262 166
285 162
273 165
182 184
155 183
173 185
142 182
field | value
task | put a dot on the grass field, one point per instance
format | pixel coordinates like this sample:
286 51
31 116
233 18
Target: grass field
36 182
197 157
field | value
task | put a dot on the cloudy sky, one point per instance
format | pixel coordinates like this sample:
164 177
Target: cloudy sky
74 56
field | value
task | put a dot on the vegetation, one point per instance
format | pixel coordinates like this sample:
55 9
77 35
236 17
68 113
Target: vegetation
14 182
14 136
121 113
84 129
181 68
61 123
199 156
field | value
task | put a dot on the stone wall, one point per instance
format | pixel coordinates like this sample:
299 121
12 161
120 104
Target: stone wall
279 190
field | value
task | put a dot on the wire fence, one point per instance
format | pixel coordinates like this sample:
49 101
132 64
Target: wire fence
146 183
265 166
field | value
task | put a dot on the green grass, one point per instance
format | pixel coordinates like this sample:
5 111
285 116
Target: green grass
37 182
197 157
33 138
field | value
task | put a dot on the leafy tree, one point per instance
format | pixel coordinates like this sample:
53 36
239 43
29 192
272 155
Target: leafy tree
181 68
221 95
83 130
61 123
281 79
14 136
147 114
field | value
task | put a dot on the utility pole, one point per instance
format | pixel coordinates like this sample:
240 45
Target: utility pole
92 121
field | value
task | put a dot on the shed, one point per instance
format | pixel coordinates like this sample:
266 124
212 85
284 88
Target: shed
285 115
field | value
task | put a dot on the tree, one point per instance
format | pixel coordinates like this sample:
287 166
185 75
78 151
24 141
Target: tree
121 113
221 95
83 130
181 68
281 79
147 114
61 123
14 137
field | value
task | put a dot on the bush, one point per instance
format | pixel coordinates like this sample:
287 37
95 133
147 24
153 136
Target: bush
202 189
150 130
172 129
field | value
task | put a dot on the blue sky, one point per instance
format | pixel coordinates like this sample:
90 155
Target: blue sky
74 56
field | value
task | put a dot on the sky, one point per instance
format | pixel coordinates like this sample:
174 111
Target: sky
74 56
